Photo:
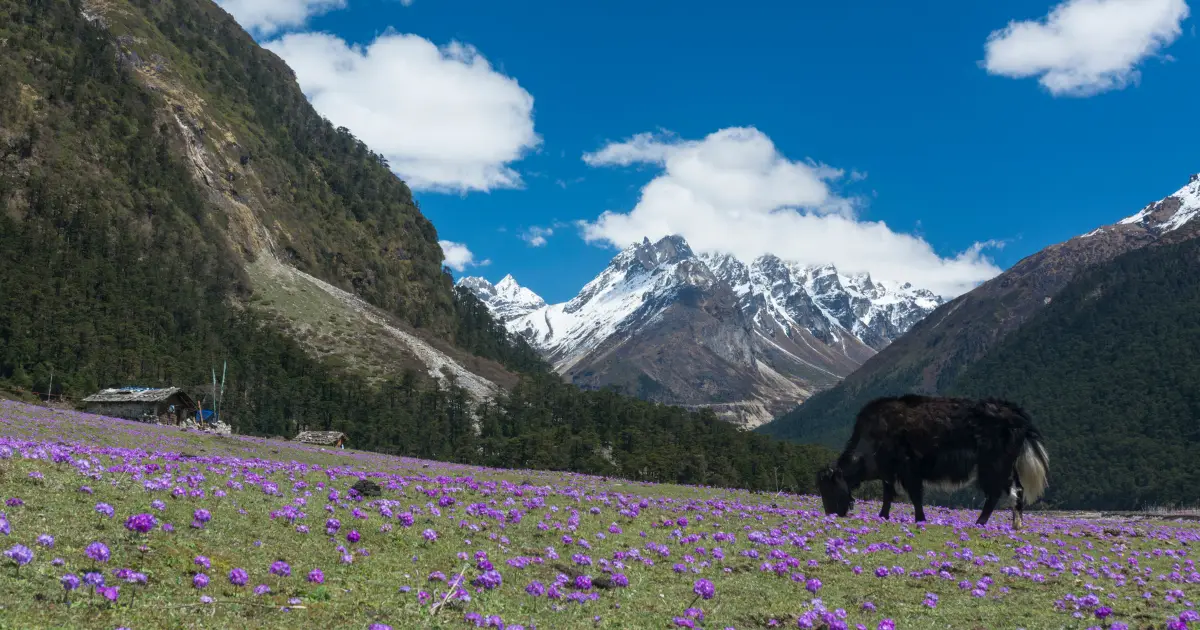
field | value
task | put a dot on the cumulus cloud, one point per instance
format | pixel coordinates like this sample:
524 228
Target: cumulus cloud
442 116
1085 47
734 192
263 18
459 256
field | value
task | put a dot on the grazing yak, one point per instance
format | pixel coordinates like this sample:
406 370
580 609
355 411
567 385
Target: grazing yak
948 442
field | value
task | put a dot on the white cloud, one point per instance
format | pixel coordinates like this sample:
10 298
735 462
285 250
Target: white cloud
536 236
443 118
1085 47
459 257
734 192
266 17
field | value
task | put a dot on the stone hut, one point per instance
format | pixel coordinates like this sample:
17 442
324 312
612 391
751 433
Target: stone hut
323 438
168 405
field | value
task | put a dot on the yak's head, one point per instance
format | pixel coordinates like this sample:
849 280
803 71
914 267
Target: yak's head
835 492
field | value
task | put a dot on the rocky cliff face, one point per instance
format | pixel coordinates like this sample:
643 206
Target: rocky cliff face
749 340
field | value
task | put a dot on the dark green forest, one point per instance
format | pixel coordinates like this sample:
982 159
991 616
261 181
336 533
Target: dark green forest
1110 371
117 270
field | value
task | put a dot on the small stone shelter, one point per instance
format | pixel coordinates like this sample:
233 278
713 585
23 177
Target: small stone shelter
322 438
167 405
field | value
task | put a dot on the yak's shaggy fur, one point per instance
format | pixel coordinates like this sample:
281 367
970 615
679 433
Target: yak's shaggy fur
948 442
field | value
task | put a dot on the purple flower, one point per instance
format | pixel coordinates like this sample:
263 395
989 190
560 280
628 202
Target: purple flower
141 523
813 585
488 580
1102 612
46 540
535 588
69 582
238 577
97 551
109 592
353 536
280 568
316 576
262 589
92 578
202 562
429 535
583 582
104 509
200 580
705 589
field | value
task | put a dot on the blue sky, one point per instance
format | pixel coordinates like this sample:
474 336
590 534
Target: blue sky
765 126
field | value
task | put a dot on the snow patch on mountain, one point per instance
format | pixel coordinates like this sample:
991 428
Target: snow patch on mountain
1170 213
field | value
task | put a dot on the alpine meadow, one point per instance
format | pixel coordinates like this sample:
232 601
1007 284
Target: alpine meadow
453 314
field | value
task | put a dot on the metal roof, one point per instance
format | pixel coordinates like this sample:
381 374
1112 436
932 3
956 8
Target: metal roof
320 437
133 394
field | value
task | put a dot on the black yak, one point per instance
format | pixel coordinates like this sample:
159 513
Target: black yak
948 442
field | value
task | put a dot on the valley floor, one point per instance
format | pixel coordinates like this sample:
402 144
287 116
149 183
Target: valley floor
115 524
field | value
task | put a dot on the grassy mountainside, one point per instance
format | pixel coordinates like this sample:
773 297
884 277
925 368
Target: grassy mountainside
1111 372
127 261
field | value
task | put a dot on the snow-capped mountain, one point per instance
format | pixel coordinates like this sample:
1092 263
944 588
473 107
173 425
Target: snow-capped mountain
747 339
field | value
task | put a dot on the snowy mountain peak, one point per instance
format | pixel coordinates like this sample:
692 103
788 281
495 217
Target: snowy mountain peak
1165 215
793 325
507 284
506 299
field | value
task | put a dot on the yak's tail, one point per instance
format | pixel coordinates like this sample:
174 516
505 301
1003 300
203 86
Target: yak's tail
1033 466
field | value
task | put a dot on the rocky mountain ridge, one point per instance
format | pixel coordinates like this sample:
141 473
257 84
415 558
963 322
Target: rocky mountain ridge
708 330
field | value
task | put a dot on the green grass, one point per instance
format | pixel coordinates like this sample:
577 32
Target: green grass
354 595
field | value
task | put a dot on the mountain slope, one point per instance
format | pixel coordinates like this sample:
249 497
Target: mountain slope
120 265
709 331
936 350
1110 370
287 196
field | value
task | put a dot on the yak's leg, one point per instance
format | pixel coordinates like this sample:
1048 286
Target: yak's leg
989 504
1018 509
889 494
912 486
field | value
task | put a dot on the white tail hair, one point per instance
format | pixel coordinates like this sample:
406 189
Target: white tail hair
1033 467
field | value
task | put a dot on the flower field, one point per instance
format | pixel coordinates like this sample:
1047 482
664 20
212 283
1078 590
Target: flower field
114 524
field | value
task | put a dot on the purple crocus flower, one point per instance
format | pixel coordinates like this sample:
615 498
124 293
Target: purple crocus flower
141 523
97 551
238 577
